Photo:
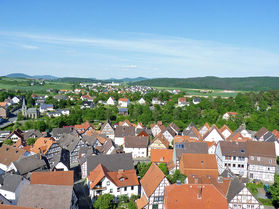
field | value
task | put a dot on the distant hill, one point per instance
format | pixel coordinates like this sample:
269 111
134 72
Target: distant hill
78 80
22 75
247 83
127 80
18 75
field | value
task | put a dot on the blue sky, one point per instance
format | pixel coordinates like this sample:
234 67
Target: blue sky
104 39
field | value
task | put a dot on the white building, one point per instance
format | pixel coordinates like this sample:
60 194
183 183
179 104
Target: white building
137 145
141 101
110 101
121 182
213 135
123 102
156 101
233 156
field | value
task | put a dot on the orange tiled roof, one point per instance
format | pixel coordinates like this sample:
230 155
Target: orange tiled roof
125 121
123 99
161 155
198 164
211 129
194 196
141 202
129 176
65 178
14 207
179 139
231 113
225 128
152 179
84 126
276 133
42 144
3 104
239 138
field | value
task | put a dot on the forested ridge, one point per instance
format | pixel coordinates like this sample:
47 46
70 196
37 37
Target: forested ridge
244 84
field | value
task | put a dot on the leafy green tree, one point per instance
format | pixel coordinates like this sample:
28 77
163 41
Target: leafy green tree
8 142
104 202
164 168
274 191
176 176
31 141
142 168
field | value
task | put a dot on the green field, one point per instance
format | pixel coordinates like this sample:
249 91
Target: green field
196 92
24 84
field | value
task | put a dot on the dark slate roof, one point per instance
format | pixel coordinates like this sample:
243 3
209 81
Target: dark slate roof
45 196
112 162
89 139
227 173
175 127
191 147
68 142
57 132
123 109
106 146
269 137
230 148
11 182
122 131
136 141
87 103
235 187
104 124
31 163
31 133
62 156
261 132
170 130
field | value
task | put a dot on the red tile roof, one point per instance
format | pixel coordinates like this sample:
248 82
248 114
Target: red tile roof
161 155
194 196
65 178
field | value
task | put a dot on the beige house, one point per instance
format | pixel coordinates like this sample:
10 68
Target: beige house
159 142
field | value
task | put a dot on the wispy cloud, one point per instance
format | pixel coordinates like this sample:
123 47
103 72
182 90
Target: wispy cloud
180 56
31 47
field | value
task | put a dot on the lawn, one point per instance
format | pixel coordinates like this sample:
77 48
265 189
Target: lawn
197 92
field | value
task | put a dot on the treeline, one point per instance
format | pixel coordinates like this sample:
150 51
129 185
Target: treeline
254 109
245 84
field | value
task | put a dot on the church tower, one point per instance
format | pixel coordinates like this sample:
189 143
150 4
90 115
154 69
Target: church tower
24 108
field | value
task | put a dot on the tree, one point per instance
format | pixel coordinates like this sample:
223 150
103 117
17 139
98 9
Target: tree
164 168
274 191
177 176
31 141
104 202
8 142
142 168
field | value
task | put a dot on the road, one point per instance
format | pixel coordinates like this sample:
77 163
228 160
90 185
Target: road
12 119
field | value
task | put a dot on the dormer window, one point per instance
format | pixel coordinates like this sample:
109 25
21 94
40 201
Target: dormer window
108 183
122 179
251 157
258 158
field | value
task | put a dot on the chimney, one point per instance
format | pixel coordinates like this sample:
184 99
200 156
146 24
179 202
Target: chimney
199 195
220 179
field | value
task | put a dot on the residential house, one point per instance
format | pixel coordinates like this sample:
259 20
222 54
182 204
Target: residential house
72 144
225 131
123 102
228 115
232 155
12 186
161 156
28 164
123 111
153 186
157 128
113 162
238 196
83 128
107 130
110 101
169 134
32 134
188 147
46 107
4 112
86 104
241 134
48 196
63 178
191 196
58 132
213 135
204 129
182 101
175 128
159 142
8 154
120 182
196 100
86 98
58 113
126 123
121 132
16 135
60 97
259 136
262 161
142 101
198 164
156 101
16 99
192 132
137 145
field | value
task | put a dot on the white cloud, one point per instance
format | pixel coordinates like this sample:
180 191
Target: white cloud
28 46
